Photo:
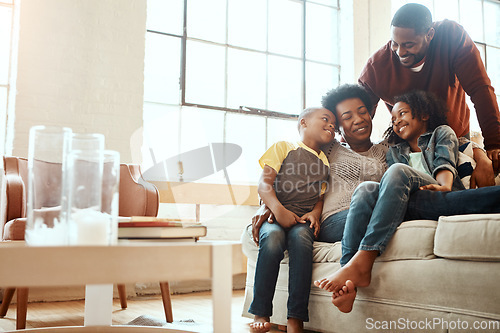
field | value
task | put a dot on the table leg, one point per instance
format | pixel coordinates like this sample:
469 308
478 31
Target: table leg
222 286
98 304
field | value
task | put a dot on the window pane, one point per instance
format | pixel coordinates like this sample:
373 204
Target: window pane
482 51
205 74
428 4
199 129
471 17
446 9
6 1
333 3
492 21
207 20
5 32
246 82
285 31
319 80
244 131
161 69
165 16
247 23
158 143
282 130
493 67
321 26
285 88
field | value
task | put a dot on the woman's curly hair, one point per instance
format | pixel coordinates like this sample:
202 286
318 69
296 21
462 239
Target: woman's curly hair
421 104
343 92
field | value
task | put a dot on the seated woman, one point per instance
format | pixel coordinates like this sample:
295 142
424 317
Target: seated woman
424 161
360 160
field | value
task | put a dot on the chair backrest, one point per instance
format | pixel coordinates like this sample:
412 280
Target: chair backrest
137 196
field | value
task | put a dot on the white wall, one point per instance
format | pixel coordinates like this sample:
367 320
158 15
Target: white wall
372 20
81 65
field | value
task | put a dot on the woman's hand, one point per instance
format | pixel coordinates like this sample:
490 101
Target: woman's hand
314 220
262 214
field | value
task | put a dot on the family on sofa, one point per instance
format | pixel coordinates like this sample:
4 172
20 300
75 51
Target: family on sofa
360 202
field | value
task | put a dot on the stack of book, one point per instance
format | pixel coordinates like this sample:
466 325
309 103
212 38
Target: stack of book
148 228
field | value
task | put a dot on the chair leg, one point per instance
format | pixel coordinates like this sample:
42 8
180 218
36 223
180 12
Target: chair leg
167 302
7 298
22 308
123 295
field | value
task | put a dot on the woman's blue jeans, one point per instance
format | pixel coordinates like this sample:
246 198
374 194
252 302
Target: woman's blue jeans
377 209
273 241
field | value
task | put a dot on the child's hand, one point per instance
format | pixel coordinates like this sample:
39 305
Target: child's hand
314 220
286 218
436 187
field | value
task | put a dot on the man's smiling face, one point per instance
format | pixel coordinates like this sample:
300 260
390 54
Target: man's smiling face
409 46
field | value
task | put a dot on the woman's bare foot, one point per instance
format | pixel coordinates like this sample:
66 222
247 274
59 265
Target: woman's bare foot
358 270
344 298
294 325
260 324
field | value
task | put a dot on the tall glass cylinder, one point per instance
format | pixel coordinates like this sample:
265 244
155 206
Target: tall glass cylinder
85 170
47 200
110 192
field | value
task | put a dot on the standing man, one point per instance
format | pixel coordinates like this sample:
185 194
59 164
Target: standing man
439 57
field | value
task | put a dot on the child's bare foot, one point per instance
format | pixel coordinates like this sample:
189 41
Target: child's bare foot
260 324
344 298
294 325
358 270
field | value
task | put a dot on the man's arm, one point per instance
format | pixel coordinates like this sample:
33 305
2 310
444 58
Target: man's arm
472 75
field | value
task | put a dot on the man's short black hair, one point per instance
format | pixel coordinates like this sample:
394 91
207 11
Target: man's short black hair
413 16
343 92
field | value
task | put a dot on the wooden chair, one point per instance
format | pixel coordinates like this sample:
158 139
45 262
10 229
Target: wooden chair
137 198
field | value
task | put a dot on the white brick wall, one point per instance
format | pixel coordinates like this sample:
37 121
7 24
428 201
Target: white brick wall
81 65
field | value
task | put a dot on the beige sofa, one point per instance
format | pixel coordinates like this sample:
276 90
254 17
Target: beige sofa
434 277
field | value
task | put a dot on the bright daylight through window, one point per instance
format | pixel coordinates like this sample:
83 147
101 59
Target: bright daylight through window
236 72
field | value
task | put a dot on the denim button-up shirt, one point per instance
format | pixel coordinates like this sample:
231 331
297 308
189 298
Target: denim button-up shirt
439 151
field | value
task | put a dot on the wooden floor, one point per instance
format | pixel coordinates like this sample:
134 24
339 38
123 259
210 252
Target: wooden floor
192 312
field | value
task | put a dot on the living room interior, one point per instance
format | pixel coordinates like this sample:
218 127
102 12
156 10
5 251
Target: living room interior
160 79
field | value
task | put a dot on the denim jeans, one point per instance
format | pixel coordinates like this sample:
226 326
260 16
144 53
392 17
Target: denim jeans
430 205
377 209
332 228
273 241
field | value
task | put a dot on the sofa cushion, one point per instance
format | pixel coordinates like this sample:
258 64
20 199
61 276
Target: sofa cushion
468 237
322 252
412 240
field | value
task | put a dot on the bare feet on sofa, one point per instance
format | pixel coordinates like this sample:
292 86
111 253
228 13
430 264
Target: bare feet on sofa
294 325
358 270
260 324
344 298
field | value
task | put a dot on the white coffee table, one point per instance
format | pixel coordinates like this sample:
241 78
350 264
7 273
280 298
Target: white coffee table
141 262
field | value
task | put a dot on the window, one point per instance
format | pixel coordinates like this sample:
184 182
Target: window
234 71
6 33
480 19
